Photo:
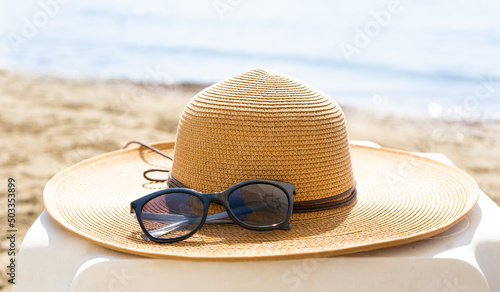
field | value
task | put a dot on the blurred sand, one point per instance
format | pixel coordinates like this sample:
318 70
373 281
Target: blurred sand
48 124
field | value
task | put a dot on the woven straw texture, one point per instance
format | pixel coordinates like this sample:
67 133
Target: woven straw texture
262 124
401 198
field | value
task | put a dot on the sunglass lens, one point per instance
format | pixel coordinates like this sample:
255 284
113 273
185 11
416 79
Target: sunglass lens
259 205
172 215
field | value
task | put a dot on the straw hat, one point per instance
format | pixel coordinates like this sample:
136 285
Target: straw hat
263 124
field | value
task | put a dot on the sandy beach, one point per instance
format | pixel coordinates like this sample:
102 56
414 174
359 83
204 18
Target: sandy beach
48 124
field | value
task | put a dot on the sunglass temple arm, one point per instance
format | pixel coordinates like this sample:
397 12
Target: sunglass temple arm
219 218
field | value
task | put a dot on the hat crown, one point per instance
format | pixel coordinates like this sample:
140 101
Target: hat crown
263 124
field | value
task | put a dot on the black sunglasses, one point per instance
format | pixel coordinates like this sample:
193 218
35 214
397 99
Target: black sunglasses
175 214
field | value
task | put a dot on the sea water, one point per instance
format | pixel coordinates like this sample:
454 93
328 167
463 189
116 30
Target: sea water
434 58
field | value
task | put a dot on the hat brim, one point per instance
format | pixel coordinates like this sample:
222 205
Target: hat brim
402 198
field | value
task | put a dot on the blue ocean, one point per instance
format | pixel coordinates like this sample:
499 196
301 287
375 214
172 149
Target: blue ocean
433 58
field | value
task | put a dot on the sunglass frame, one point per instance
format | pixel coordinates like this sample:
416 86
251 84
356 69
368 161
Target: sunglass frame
288 188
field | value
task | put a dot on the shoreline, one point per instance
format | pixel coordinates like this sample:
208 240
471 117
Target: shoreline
449 114
52 123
